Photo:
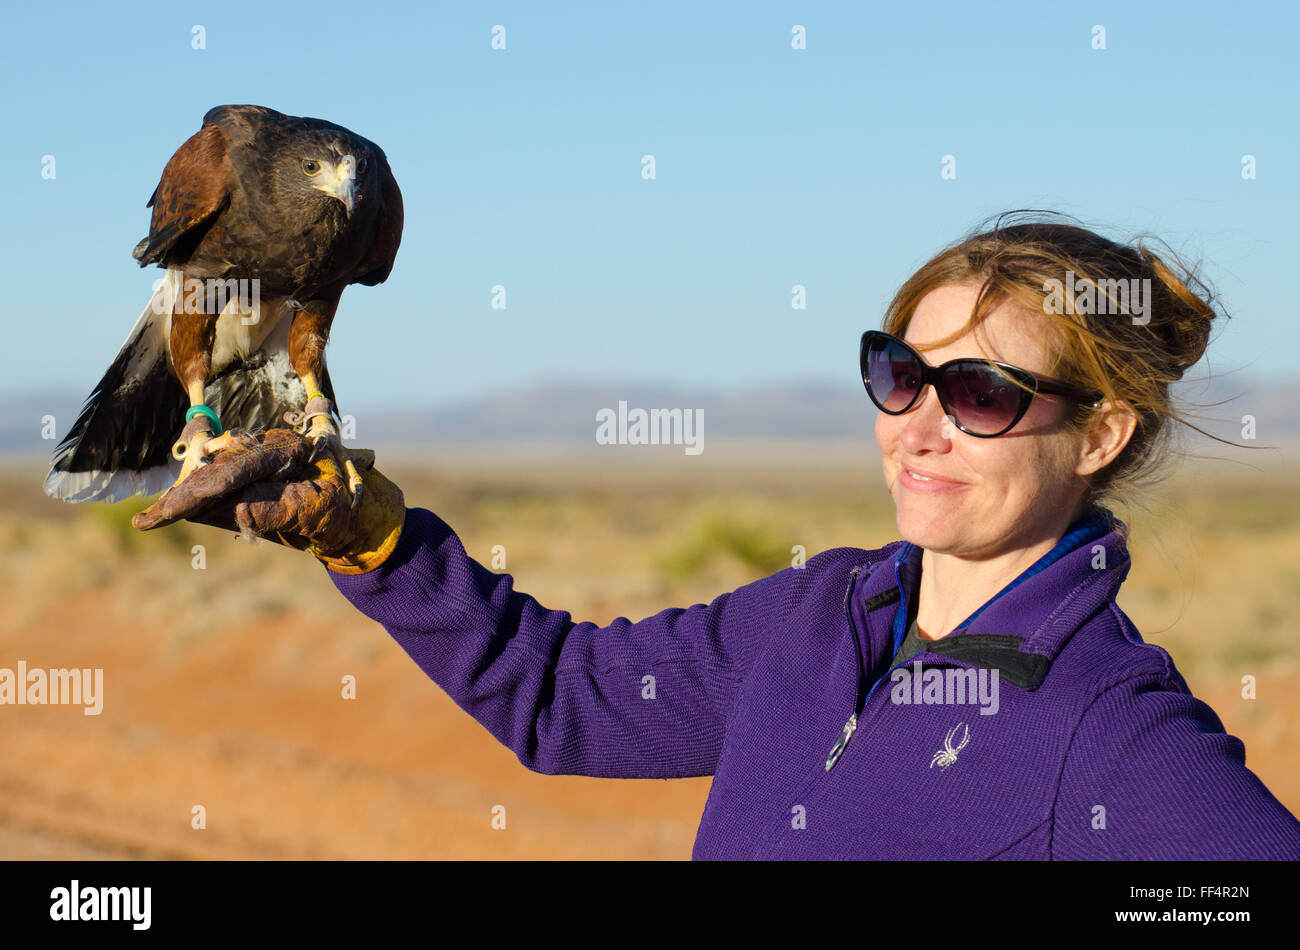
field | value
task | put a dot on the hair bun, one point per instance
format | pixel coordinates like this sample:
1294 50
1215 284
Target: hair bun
1181 311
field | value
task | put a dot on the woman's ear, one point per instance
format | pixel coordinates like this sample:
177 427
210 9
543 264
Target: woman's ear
1109 431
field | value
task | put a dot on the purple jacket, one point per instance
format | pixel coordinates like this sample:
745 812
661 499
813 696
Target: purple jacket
1087 745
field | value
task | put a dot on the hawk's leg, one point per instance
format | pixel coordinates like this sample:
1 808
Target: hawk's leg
307 337
192 339
191 447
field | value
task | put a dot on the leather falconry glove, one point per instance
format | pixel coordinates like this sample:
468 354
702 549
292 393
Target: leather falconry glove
269 486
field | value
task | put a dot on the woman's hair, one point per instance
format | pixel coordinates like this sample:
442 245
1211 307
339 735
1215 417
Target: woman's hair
1128 348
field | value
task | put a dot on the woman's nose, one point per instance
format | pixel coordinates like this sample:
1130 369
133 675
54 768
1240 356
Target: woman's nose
925 425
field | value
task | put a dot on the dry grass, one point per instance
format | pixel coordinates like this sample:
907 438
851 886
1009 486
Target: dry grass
222 684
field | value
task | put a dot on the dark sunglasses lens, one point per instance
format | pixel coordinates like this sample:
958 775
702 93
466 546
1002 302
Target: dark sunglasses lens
891 374
983 400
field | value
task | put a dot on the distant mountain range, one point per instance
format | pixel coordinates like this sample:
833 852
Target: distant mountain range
565 415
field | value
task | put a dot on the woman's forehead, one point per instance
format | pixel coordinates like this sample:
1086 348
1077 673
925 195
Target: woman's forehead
1008 333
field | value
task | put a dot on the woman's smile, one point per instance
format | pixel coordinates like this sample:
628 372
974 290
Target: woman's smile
918 479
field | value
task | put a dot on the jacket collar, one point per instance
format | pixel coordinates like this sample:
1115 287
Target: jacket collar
1019 630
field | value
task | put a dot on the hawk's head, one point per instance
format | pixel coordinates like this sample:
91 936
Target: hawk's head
329 163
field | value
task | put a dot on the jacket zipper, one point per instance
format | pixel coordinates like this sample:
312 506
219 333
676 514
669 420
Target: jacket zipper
851 726
855 720
858 702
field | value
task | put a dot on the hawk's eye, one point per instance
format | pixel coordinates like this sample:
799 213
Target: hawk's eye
310 166
361 167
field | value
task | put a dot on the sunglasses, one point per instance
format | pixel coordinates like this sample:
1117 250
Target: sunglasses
984 398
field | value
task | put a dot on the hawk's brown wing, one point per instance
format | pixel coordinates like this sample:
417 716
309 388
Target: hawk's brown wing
195 187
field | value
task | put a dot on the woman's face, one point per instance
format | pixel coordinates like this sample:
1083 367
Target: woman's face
985 496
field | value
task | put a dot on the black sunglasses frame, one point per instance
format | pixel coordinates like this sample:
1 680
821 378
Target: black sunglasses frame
1030 384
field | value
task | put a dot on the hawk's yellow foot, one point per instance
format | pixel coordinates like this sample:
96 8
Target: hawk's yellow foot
191 447
316 422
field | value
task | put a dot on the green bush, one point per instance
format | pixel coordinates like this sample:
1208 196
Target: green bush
717 536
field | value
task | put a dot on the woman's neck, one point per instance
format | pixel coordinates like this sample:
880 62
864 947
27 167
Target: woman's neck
952 588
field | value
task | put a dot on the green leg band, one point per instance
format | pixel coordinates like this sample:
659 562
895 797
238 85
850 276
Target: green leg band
202 410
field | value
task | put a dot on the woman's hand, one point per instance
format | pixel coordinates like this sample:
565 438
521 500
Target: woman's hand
268 486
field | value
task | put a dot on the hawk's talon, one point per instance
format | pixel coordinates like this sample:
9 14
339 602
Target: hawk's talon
223 441
324 436
318 450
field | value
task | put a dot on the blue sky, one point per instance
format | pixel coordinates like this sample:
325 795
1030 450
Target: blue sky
775 167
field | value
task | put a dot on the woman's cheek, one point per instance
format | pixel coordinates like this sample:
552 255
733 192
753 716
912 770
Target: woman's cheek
886 432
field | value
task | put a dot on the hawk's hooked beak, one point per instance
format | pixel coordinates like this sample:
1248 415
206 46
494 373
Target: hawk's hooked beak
344 184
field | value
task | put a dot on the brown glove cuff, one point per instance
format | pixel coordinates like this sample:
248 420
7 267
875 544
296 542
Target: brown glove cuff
379 526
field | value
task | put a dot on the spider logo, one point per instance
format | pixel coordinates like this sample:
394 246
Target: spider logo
948 755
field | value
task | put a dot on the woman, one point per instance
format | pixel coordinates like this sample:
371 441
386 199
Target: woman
971 691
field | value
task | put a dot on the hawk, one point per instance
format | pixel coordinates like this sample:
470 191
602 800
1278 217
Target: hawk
260 220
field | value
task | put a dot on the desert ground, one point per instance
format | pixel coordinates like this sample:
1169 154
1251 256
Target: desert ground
222 685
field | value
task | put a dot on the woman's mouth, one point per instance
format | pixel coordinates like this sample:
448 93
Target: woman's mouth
929 482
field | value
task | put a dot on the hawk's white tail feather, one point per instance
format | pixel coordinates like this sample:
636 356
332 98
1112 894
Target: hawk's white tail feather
114 449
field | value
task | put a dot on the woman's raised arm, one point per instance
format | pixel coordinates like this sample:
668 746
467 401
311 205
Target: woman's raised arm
648 699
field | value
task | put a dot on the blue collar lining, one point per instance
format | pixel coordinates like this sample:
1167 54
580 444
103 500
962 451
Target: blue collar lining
1092 525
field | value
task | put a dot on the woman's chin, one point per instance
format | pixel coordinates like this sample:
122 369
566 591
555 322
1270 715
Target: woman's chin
928 526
